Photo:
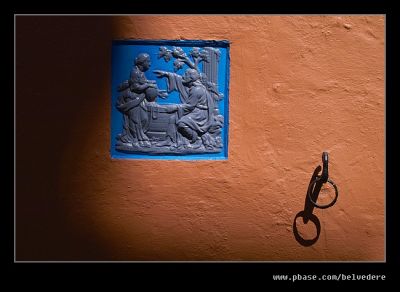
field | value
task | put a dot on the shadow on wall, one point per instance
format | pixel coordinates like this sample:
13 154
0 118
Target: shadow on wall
307 215
313 192
64 181
62 93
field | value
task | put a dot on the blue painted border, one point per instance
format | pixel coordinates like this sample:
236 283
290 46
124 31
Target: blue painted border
224 44
202 43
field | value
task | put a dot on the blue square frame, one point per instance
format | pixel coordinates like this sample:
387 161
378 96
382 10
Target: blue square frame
123 54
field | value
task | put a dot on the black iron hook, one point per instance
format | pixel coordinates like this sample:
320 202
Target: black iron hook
313 190
316 184
325 162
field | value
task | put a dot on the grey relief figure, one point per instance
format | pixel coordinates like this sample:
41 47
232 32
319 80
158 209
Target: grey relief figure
192 126
132 103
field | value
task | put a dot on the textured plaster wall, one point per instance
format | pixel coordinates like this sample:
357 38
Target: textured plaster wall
299 85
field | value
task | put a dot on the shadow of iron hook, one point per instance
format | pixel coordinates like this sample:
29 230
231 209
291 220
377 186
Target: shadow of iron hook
313 190
310 217
308 206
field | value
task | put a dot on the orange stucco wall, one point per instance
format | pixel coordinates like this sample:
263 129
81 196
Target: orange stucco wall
299 85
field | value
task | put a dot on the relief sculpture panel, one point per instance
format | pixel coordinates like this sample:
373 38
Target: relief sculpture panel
170 99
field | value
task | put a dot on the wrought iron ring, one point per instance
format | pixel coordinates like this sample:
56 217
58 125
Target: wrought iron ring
310 188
